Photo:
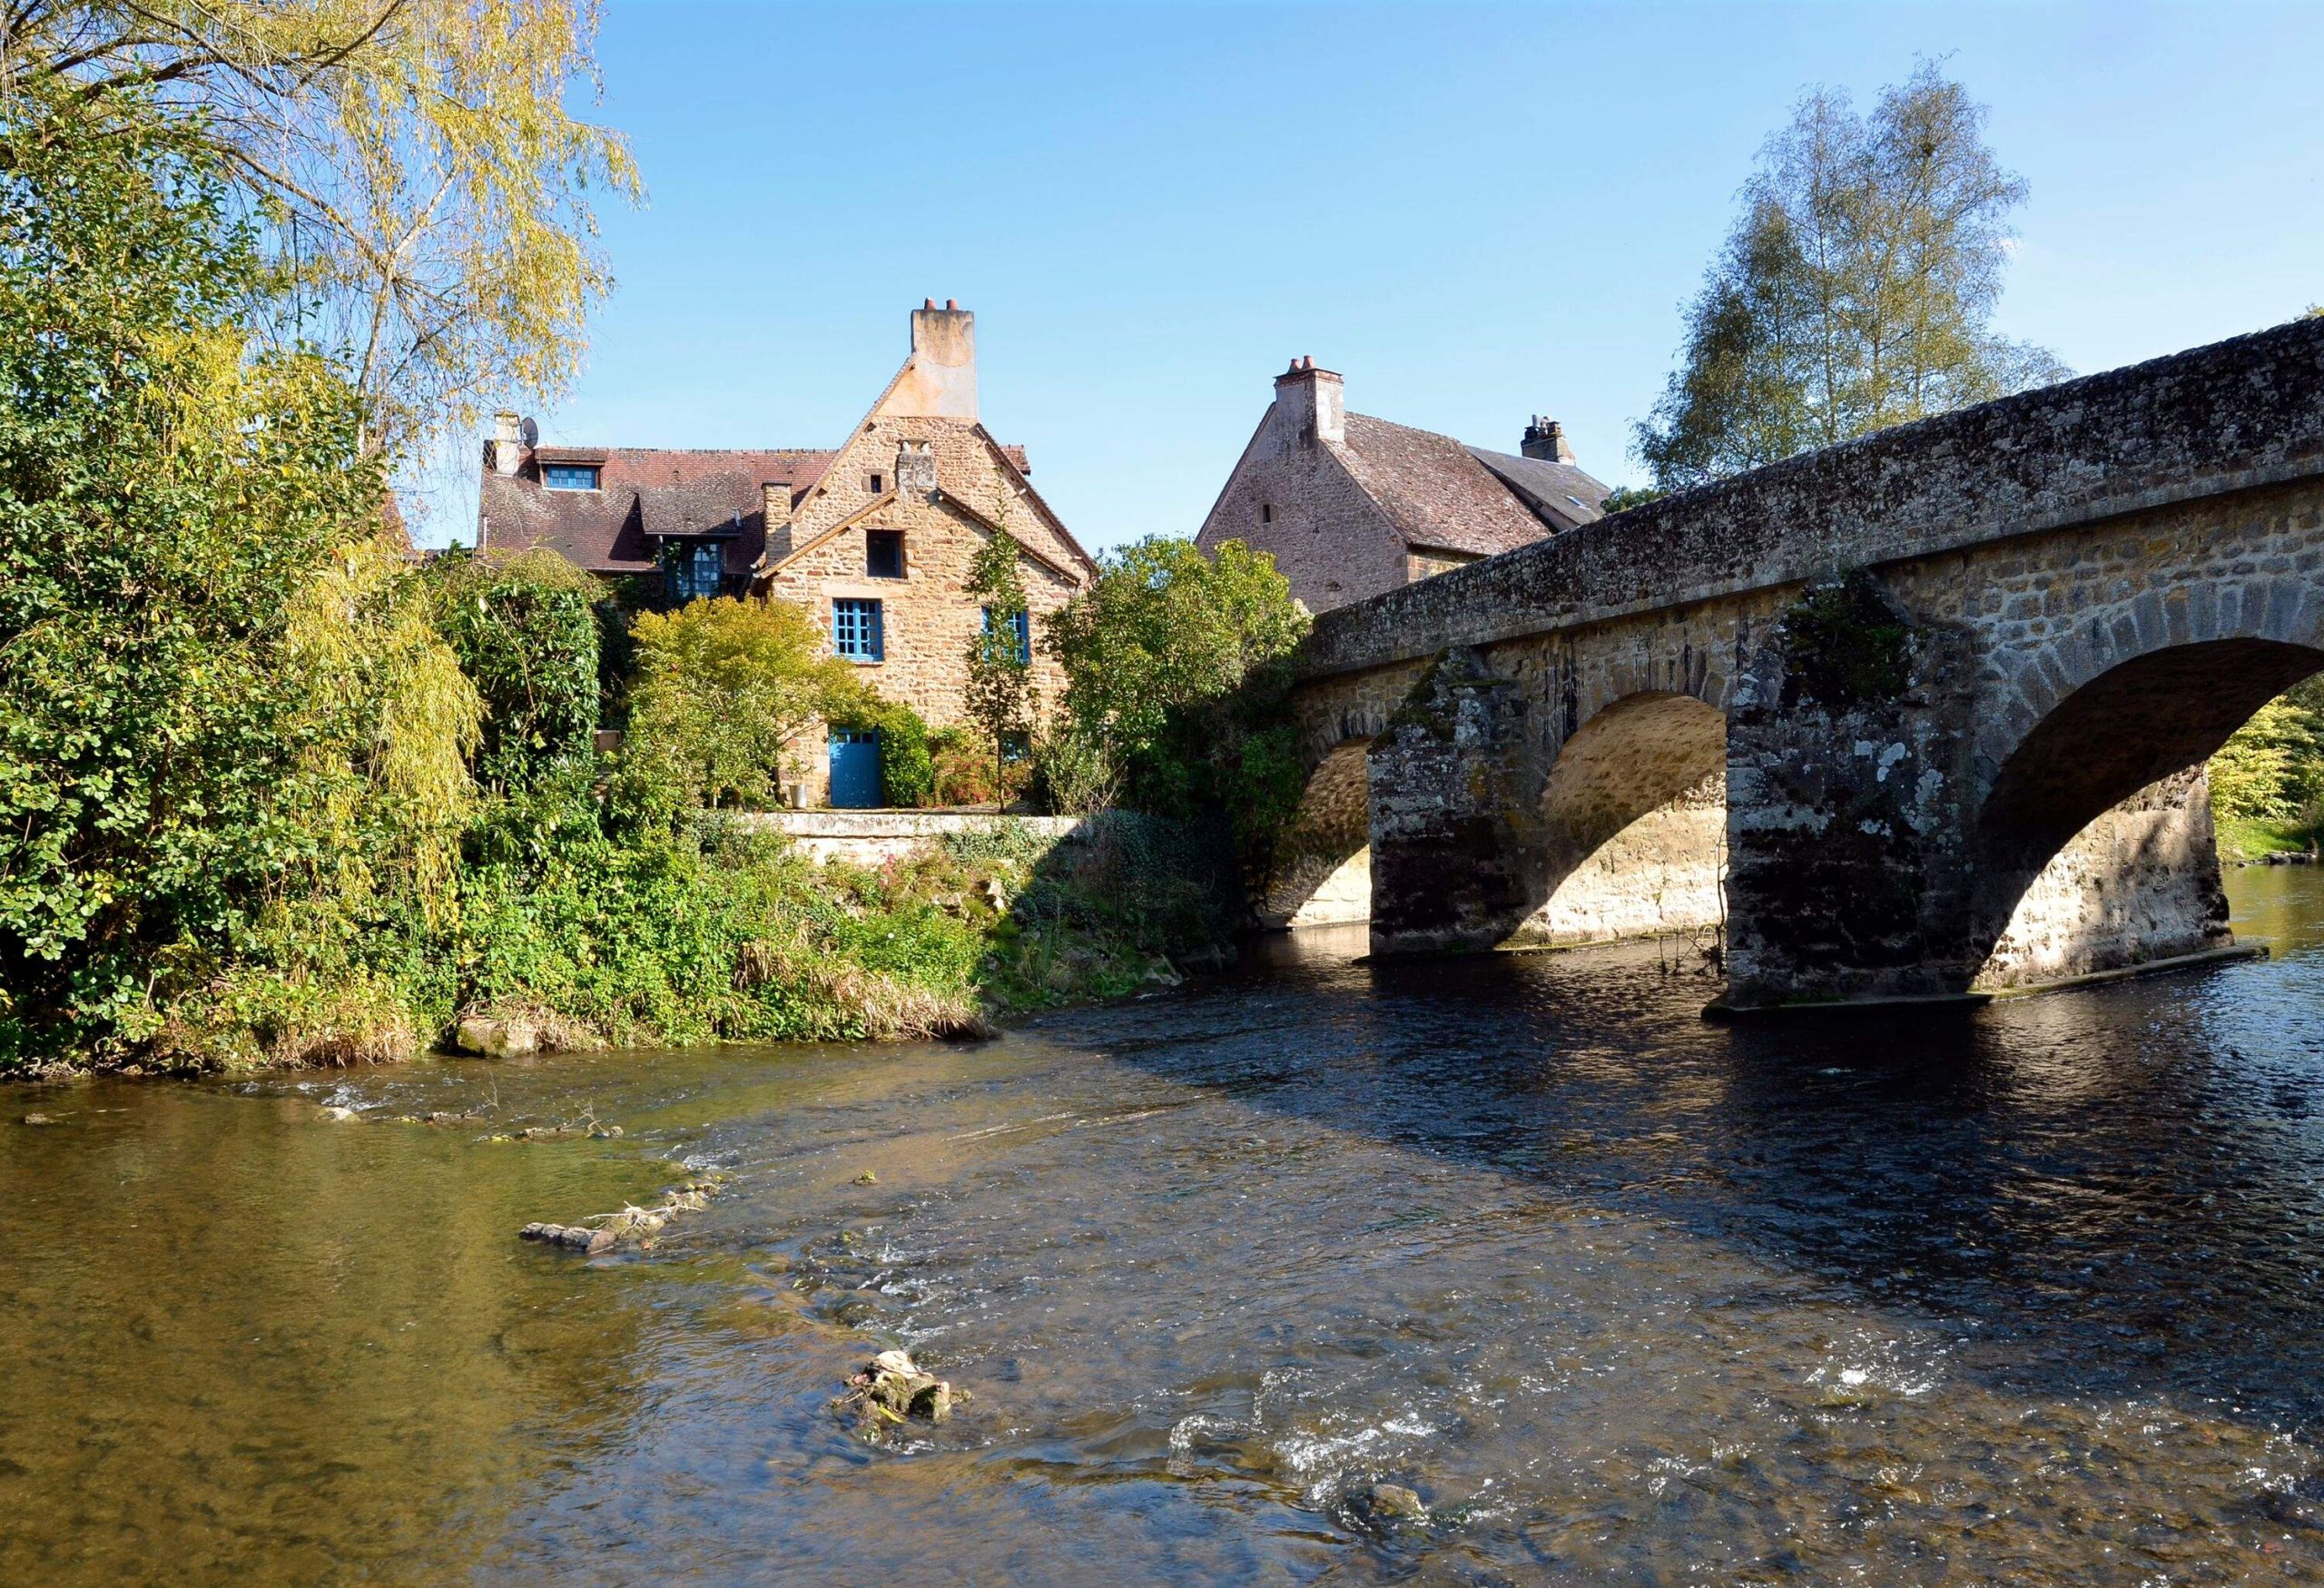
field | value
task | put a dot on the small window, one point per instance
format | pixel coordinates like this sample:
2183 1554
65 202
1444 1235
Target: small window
883 554
877 484
696 571
569 476
1020 624
1016 746
855 629
1266 513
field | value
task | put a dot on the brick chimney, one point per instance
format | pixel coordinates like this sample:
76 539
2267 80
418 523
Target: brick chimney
507 443
1545 439
1313 401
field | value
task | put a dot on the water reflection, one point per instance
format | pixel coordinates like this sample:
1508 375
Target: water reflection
2024 1296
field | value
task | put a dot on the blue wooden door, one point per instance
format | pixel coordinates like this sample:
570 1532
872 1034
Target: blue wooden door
855 767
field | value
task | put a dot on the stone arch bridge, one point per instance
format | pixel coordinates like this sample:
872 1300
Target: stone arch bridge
1924 714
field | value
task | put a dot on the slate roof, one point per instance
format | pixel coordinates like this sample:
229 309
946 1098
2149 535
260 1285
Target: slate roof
1436 491
1560 493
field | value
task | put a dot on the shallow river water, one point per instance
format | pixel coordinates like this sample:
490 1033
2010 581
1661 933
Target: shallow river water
2029 1295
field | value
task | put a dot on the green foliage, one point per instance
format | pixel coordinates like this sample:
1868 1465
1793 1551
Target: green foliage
721 687
963 769
1072 773
164 495
1844 647
907 771
1177 665
2271 770
526 631
1855 291
999 694
417 166
1624 497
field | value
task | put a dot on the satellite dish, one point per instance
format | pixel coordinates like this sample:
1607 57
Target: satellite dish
530 432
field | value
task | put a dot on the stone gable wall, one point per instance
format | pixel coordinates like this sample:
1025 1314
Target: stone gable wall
1326 536
928 616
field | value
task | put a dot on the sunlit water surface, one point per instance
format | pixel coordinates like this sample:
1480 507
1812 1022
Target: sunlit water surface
2024 1296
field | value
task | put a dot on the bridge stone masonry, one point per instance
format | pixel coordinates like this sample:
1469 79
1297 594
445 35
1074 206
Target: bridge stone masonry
1924 715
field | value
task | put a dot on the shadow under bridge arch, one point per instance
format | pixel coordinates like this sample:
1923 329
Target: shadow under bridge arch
2094 847
1633 825
1322 872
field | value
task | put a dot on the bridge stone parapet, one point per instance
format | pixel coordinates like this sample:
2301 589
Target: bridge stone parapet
1921 714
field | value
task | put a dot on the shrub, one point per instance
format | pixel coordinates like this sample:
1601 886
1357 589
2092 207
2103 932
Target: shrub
907 773
526 629
167 487
723 686
1177 669
963 770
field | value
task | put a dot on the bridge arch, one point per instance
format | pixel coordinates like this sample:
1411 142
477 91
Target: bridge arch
1321 872
1632 823
2093 845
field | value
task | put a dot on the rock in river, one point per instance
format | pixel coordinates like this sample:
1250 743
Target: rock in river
496 1039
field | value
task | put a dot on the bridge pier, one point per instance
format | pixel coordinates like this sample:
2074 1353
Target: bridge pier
1454 792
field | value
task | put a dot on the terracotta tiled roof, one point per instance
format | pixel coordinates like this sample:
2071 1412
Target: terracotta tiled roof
1434 491
645 491
642 491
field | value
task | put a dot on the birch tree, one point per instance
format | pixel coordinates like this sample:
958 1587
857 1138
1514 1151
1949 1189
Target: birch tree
1857 289
421 187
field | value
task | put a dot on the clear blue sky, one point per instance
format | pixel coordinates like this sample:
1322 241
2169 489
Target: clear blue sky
1474 214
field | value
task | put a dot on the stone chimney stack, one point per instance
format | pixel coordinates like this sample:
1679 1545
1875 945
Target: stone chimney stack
1313 401
774 497
940 383
507 443
1545 439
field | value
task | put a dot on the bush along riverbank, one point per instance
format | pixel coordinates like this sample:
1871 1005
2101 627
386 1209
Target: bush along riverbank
716 934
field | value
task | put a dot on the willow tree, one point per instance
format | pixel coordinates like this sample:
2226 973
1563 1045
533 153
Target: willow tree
1856 290
412 167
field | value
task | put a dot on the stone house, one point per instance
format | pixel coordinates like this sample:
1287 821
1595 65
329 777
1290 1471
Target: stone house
874 537
1350 506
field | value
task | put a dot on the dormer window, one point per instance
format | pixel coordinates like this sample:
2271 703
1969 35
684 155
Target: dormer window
569 476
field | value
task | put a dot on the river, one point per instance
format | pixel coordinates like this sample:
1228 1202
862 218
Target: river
2026 1295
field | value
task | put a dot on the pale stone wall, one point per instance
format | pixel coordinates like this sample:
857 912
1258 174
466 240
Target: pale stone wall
1661 873
872 838
1290 497
2141 883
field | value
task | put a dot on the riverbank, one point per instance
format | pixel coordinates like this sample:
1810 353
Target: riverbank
732 933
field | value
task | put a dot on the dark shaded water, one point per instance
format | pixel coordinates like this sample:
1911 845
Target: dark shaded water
2026 1296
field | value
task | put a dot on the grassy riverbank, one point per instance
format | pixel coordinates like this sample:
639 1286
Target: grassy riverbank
726 936
2252 838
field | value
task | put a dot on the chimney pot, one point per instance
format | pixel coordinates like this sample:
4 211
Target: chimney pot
928 302
951 305
1312 400
1545 438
